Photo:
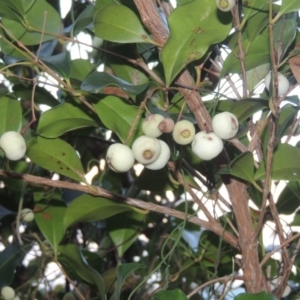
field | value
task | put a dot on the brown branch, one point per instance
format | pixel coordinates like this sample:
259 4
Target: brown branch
96 191
254 277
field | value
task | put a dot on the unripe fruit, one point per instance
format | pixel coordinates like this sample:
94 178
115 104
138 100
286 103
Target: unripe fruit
225 125
166 125
13 144
146 149
27 215
119 157
162 159
8 293
225 5
17 298
207 145
183 132
283 83
150 125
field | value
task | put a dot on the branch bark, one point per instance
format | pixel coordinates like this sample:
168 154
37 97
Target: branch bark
97 191
253 276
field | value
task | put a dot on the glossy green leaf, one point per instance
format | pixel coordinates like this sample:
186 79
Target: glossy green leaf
256 24
124 271
59 63
73 261
287 115
170 295
87 208
41 96
252 7
256 75
85 19
117 23
10 114
118 116
124 229
284 33
286 166
63 118
34 21
10 258
80 69
49 218
289 6
97 81
56 155
258 53
245 108
289 199
10 11
194 27
258 296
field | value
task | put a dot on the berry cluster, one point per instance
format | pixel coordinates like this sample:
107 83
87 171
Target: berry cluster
154 153
9 293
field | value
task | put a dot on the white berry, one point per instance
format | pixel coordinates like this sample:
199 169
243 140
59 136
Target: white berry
162 159
146 149
207 145
225 5
8 293
183 132
119 157
27 215
225 125
13 145
283 83
150 125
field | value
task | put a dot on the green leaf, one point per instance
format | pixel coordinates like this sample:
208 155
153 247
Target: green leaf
170 295
72 260
285 165
41 96
59 63
289 6
97 81
124 229
80 69
10 11
10 114
284 33
256 75
84 20
194 27
289 199
256 24
56 155
243 167
117 23
29 31
10 258
49 218
87 208
63 118
258 53
252 8
245 108
123 272
259 296
118 116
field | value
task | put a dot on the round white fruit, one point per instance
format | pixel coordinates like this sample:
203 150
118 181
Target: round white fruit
225 125
150 125
162 159
13 145
8 293
225 5
146 149
207 145
27 215
283 83
119 157
183 132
